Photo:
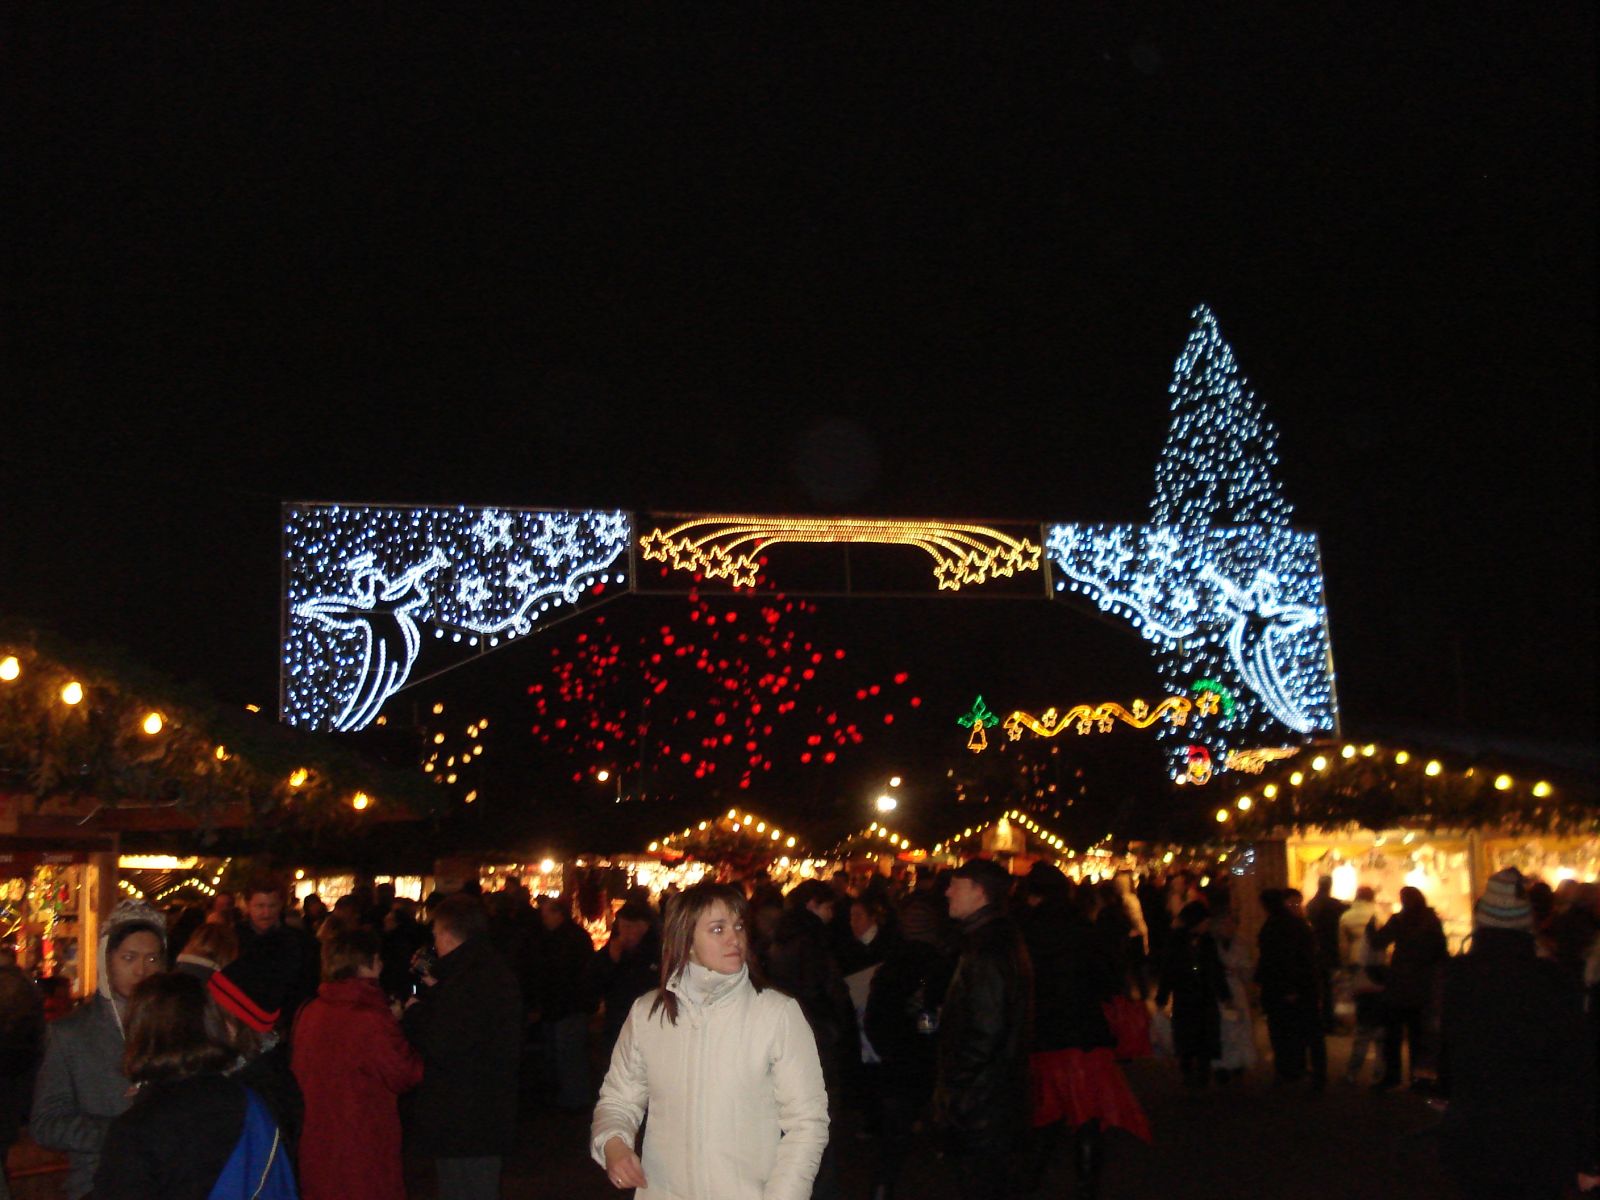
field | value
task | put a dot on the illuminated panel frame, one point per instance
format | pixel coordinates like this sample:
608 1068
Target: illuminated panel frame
726 546
362 584
1243 606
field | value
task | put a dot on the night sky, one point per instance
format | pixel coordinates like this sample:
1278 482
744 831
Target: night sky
655 260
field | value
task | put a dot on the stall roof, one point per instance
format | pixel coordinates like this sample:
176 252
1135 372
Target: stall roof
1383 783
126 747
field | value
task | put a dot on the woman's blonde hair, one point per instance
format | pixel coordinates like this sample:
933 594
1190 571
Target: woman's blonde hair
677 936
214 942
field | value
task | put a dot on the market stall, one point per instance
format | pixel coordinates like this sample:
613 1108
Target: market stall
1394 816
1439 863
52 903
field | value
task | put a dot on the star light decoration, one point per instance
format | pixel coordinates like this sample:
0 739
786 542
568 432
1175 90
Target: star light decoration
1228 594
727 547
719 694
365 585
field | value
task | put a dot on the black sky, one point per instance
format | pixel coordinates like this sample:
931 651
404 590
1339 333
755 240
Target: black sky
635 258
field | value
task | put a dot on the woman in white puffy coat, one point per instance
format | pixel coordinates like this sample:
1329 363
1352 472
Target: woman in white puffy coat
726 1068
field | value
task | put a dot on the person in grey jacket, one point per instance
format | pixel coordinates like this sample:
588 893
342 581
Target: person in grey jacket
81 1088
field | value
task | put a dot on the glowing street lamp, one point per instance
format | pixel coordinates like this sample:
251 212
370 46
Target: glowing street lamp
887 803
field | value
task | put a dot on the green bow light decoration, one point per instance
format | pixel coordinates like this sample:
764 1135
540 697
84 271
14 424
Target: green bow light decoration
979 719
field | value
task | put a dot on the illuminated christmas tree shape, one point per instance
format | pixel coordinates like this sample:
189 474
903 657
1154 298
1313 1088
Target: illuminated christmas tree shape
1229 594
1217 465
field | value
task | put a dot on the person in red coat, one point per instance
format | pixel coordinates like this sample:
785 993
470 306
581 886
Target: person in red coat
352 1062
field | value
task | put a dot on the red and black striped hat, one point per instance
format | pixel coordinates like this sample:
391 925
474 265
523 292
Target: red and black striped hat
250 989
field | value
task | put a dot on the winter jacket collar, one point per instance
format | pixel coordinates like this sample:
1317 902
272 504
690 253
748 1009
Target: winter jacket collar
459 959
354 993
700 988
976 921
1502 945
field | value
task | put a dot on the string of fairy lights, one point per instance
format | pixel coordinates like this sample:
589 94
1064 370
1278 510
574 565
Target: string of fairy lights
1260 799
451 756
146 734
747 825
870 839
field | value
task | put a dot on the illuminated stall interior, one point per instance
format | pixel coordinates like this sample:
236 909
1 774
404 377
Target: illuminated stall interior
328 886
49 916
163 879
1438 863
1387 817
729 846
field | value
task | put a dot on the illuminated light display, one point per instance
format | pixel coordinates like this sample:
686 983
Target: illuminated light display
1253 762
978 719
706 692
701 835
1218 582
1223 695
361 584
1082 718
1048 837
1244 603
1197 765
877 838
726 547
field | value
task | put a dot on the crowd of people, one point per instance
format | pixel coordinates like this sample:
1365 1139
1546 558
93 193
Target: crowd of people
252 1048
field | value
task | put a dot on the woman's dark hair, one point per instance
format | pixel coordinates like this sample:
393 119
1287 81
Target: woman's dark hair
347 952
811 891
677 938
636 910
877 911
172 1031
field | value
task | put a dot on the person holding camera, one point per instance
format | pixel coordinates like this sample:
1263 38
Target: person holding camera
467 1021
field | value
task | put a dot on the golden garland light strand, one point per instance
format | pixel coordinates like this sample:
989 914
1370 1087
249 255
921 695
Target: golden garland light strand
1102 717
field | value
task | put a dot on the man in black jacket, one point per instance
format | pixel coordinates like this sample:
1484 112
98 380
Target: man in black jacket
1286 969
985 1033
294 955
563 1003
1324 913
467 1023
626 967
800 962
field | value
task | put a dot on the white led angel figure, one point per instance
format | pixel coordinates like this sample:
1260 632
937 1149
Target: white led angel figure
1260 636
382 611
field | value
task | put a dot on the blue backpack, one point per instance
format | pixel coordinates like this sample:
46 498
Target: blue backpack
258 1168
